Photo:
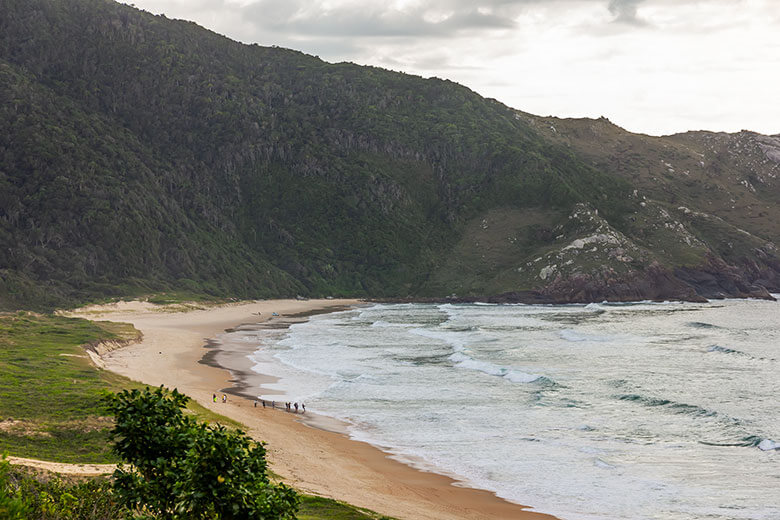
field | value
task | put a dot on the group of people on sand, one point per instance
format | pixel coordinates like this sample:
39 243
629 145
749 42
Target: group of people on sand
288 406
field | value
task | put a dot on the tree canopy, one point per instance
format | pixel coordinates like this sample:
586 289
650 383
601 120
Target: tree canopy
178 468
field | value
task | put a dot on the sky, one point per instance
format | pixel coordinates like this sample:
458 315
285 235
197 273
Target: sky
650 66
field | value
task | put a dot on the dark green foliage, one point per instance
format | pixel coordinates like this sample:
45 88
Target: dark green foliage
12 507
140 154
179 468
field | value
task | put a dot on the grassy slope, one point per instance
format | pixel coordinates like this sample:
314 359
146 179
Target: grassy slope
493 245
49 391
319 508
728 175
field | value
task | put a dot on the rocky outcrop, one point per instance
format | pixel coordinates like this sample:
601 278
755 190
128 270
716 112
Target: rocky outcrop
655 283
716 279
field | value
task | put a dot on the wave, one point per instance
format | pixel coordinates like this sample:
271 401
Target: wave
595 307
387 324
681 408
702 325
458 339
512 375
751 441
746 441
725 350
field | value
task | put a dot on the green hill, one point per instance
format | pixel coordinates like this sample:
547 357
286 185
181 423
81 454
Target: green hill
141 154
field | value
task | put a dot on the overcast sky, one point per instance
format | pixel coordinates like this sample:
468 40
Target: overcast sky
650 66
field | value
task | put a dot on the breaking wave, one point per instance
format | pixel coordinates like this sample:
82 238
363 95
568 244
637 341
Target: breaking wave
673 406
461 360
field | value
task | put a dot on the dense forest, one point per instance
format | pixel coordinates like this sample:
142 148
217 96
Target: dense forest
141 154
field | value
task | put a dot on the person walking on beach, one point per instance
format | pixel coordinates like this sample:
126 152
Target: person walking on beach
214 397
263 403
303 405
224 398
255 403
296 407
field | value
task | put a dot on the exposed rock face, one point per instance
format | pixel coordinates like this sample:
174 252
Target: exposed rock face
770 146
656 283
717 279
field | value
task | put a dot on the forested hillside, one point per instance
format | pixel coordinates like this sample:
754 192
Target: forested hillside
140 154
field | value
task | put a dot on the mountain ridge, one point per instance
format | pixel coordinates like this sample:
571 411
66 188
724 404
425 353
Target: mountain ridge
141 154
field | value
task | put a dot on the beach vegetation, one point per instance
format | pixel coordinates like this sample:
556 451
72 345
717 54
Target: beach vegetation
321 508
12 506
27 495
50 392
176 467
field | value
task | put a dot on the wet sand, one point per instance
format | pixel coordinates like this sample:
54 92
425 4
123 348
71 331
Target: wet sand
307 451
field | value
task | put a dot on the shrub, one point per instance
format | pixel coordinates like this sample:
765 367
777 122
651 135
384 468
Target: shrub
179 468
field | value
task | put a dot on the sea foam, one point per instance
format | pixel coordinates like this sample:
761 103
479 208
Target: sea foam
458 389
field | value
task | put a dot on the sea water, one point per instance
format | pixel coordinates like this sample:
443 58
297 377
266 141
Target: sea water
600 411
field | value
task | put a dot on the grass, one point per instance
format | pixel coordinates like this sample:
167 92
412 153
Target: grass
181 298
485 259
186 299
319 508
50 394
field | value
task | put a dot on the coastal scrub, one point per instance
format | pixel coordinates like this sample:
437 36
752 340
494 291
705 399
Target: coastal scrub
177 467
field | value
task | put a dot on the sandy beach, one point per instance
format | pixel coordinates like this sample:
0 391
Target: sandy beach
312 459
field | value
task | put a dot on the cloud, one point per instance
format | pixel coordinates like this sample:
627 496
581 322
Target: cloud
439 19
562 57
625 12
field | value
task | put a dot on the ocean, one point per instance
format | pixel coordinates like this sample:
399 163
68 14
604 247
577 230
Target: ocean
600 411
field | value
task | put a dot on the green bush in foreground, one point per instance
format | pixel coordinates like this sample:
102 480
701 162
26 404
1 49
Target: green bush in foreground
179 468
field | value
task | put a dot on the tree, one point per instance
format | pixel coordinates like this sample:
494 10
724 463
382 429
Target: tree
180 468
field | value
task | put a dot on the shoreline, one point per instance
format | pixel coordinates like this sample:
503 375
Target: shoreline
307 455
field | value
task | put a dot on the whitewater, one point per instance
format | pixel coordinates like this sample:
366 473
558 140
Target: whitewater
600 411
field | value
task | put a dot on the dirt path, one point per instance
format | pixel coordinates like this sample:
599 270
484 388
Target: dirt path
86 470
